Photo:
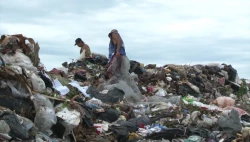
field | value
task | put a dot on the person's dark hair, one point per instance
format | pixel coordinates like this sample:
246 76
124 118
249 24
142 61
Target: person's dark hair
78 40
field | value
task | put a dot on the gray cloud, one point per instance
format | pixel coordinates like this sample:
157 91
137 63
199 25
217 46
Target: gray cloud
155 31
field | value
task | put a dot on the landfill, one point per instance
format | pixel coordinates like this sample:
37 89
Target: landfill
77 103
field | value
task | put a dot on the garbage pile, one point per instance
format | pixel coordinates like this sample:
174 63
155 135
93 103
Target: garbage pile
76 102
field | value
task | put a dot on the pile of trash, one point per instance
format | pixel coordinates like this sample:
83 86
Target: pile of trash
76 102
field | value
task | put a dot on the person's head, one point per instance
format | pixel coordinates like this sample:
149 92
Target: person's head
79 42
112 31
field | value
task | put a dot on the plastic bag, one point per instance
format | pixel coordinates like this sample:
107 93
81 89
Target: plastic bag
4 127
45 114
41 101
45 118
130 95
30 45
101 127
17 91
94 103
172 99
193 139
28 124
82 55
195 88
230 123
71 118
112 96
37 83
169 79
161 92
120 69
134 76
110 115
121 133
225 102
16 69
19 59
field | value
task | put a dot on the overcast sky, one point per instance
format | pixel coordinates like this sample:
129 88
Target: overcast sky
154 31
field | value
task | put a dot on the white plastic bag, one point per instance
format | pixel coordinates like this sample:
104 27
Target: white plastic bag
101 127
19 59
169 79
45 114
30 45
45 118
37 83
82 55
83 90
161 92
17 91
71 118
40 101
59 87
16 69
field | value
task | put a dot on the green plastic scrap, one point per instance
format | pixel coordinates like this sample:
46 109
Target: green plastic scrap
188 100
118 109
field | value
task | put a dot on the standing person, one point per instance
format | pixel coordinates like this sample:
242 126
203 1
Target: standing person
118 62
85 50
118 67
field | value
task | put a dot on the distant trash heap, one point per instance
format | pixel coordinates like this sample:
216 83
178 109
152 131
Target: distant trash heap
76 102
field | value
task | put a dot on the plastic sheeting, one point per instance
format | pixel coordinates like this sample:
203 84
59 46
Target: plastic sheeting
81 89
120 70
37 83
231 123
17 129
17 90
70 118
133 124
130 94
19 59
45 114
109 115
172 99
4 127
59 87
225 102
113 96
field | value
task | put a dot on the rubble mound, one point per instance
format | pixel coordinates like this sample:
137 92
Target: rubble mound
77 102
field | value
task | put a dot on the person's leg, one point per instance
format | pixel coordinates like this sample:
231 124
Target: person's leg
119 67
114 67
125 65
110 68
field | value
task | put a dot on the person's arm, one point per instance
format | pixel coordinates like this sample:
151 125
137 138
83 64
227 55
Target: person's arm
116 39
87 51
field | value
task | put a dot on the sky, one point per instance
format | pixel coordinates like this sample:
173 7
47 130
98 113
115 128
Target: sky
154 31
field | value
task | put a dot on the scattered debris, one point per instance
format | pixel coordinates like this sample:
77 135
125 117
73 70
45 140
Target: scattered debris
76 102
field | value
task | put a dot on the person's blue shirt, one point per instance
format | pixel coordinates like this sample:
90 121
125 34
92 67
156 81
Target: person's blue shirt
112 49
